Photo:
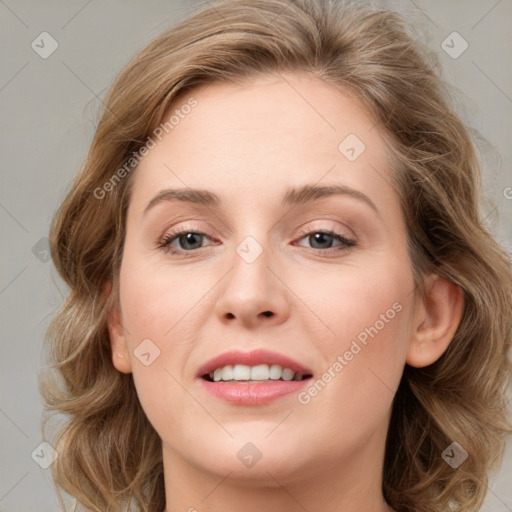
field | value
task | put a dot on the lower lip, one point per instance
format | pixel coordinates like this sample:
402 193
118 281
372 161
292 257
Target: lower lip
253 393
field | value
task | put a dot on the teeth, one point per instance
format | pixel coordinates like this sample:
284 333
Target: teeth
260 372
288 374
241 372
275 371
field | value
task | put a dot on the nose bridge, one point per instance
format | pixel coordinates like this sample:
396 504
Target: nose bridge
250 266
251 291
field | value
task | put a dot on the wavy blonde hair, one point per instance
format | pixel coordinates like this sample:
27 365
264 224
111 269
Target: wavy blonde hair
109 454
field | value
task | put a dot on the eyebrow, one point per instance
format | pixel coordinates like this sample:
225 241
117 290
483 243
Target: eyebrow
291 197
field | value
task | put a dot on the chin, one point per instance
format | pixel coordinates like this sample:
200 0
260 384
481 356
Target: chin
259 462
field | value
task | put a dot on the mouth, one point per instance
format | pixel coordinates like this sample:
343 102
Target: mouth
255 378
262 373
253 384
259 365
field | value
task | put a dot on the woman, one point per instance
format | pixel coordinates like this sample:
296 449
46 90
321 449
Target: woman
282 296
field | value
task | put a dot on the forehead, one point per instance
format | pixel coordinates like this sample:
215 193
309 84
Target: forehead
262 136
296 106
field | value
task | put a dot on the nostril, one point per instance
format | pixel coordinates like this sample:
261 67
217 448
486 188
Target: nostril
268 313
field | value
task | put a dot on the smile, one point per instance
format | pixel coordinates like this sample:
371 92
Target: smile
259 373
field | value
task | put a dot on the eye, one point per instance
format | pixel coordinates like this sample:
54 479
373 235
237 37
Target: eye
183 241
187 241
322 240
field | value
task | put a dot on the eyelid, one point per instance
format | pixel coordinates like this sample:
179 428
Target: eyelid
330 225
323 229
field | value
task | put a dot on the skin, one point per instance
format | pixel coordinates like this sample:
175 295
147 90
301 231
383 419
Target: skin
247 144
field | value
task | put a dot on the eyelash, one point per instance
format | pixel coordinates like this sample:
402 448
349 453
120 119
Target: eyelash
347 243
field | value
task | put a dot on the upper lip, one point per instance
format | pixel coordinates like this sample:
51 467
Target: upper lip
253 358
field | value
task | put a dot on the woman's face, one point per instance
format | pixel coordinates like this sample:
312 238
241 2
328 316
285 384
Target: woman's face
280 164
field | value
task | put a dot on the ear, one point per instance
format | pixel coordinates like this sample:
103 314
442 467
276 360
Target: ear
118 343
436 321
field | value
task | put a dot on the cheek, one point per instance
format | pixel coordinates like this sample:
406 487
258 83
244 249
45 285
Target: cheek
161 305
365 313
357 299
156 298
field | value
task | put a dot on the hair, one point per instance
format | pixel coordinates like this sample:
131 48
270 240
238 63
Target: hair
110 456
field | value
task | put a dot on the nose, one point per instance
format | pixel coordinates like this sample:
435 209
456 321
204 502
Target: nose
253 294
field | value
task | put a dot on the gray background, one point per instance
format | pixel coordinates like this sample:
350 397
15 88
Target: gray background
48 116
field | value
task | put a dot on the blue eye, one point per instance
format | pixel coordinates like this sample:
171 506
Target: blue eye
324 239
189 241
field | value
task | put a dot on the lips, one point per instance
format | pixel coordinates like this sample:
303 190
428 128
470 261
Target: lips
253 358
